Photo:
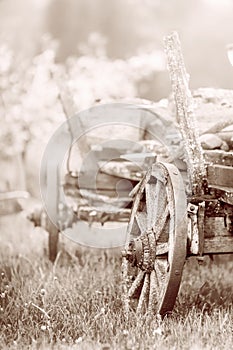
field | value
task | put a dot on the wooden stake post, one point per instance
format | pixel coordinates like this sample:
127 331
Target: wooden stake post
210 210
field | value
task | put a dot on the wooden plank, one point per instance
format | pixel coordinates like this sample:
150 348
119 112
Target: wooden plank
219 126
225 194
219 157
220 175
218 245
103 214
215 226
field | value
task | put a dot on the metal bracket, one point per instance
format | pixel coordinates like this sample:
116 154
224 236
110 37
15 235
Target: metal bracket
201 222
196 215
193 236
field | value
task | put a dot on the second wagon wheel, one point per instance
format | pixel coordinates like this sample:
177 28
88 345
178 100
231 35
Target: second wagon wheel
154 257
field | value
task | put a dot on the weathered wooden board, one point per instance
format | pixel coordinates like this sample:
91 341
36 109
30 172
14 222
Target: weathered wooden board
221 175
218 245
225 194
219 157
217 236
103 214
123 169
215 226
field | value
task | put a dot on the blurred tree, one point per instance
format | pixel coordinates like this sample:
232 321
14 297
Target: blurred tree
122 22
106 49
129 26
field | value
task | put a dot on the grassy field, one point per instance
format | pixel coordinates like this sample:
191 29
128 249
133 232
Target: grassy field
76 303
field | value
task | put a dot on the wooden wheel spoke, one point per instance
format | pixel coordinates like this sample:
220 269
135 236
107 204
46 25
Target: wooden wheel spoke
159 174
153 294
161 272
162 248
141 219
137 284
143 299
134 211
152 245
136 203
159 227
161 204
161 268
132 218
152 202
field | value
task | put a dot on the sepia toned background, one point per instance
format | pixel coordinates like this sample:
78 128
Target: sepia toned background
98 50
91 51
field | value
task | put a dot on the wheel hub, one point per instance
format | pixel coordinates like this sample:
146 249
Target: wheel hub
141 251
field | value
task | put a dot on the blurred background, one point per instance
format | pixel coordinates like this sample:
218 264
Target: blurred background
95 50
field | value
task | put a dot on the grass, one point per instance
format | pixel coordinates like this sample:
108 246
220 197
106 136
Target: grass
76 303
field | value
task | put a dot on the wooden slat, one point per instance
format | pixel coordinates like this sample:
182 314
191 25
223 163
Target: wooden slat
219 157
220 175
225 194
218 245
215 226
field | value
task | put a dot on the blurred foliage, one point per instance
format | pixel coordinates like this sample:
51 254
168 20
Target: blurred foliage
129 26
99 50
30 107
28 100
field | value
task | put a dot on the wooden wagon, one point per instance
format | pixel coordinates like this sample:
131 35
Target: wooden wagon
179 206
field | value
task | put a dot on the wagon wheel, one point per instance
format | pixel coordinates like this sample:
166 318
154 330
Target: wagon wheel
154 257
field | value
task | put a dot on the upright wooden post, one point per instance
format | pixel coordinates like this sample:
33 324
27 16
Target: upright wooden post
184 113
